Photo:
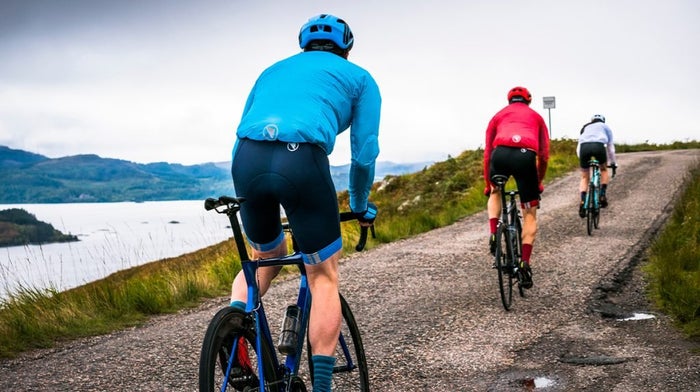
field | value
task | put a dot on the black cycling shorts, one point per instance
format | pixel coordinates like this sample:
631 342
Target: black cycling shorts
297 177
520 163
592 149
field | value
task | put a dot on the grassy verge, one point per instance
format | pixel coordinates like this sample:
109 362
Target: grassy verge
408 205
673 268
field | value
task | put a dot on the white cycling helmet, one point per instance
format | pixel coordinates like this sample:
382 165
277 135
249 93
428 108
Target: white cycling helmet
598 117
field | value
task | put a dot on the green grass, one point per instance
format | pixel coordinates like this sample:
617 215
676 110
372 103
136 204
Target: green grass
408 205
673 268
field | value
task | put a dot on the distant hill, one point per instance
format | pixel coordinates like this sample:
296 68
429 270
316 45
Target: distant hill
26 177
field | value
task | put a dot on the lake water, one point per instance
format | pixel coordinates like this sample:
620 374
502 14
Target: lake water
113 237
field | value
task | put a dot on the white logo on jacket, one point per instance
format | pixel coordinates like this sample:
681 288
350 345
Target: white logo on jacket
270 132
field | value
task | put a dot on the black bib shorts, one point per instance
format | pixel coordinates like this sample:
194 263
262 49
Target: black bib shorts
297 177
520 163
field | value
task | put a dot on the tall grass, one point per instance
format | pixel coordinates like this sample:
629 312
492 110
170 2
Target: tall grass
673 268
408 205
32 318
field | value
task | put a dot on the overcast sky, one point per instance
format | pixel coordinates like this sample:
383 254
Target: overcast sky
150 81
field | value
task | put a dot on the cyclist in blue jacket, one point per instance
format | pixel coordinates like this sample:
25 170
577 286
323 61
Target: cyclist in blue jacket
596 139
291 119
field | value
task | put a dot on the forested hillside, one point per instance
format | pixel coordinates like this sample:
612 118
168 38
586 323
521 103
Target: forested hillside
18 227
32 178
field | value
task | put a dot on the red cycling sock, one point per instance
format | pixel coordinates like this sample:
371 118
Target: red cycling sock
527 252
493 223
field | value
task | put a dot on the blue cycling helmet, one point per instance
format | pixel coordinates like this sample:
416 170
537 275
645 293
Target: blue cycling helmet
326 27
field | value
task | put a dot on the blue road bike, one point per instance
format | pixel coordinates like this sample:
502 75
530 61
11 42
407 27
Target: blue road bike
591 205
238 351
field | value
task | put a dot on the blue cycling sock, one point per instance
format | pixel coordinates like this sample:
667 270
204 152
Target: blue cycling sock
323 371
238 305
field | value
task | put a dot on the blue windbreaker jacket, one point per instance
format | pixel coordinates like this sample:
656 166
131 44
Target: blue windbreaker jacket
312 97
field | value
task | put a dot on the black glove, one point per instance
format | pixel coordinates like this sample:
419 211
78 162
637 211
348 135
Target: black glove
368 215
614 168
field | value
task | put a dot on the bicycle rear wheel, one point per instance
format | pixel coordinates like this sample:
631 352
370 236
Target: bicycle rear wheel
596 208
232 331
504 265
590 210
596 218
350 372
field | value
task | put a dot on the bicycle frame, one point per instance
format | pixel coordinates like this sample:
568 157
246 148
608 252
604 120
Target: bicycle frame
509 211
254 304
592 202
593 184
509 231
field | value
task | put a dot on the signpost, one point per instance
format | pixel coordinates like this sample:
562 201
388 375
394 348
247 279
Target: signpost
549 104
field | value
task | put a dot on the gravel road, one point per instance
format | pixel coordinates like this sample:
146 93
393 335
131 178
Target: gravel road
431 316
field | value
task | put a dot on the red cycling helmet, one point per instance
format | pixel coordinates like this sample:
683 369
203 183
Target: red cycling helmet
519 92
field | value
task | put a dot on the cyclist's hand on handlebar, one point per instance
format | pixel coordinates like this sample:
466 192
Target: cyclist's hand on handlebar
366 217
487 191
540 188
614 168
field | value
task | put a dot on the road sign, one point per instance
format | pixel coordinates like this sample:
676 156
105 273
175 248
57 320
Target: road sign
549 102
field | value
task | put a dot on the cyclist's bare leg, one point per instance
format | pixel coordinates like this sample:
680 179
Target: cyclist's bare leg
494 204
585 178
325 317
604 175
529 225
239 289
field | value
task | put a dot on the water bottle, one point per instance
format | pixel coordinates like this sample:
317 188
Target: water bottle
291 327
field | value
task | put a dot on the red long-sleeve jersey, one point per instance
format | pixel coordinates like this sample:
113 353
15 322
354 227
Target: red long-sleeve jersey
517 125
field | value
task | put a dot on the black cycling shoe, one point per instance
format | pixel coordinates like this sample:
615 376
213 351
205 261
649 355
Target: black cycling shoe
525 275
581 211
603 201
492 244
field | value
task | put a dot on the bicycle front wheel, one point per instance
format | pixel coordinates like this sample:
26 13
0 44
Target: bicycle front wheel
350 372
228 360
504 265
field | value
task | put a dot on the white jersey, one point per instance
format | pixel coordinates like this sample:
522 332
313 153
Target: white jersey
598 132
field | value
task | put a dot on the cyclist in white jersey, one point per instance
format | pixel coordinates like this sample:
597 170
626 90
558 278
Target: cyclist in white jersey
596 140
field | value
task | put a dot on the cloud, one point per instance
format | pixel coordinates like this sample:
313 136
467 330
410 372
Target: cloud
167 80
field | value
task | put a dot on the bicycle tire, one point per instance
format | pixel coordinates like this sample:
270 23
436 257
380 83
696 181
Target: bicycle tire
590 209
596 218
228 325
596 208
350 372
504 266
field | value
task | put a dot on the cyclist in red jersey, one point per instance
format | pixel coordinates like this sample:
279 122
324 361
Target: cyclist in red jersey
517 144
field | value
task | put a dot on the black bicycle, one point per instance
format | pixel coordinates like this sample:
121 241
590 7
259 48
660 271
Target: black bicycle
237 351
509 246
